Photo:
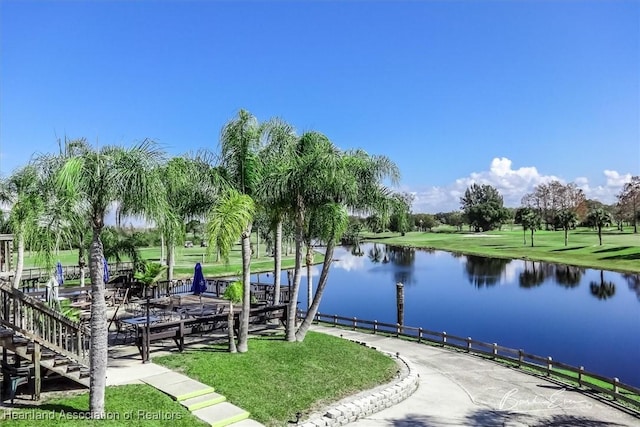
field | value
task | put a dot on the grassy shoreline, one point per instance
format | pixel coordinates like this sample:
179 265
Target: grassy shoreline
272 381
619 251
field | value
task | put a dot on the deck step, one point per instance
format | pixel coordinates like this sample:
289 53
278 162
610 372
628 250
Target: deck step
203 401
221 415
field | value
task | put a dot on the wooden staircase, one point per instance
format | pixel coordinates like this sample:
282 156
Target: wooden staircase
34 332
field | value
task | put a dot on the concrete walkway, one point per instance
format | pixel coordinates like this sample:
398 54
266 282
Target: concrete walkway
457 389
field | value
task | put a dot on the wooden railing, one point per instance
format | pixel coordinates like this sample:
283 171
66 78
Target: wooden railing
544 365
32 276
179 329
41 324
260 291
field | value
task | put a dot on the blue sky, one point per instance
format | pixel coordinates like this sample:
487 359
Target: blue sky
501 92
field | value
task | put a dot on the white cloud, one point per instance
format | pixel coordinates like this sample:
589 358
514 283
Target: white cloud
512 184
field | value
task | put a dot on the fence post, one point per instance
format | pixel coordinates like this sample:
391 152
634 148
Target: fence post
520 357
468 344
495 350
444 338
616 388
580 373
335 320
375 326
317 318
419 335
355 323
549 365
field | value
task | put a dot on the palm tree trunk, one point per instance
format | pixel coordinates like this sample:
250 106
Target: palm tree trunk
161 248
309 263
19 260
293 289
81 263
257 243
532 231
322 283
171 254
600 234
566 236
99 334
230 325
277 260
243 335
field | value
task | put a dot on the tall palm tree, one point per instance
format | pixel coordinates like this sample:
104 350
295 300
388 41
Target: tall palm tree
191 183
240 142
101 177
318 180
358 186
280 140
22 192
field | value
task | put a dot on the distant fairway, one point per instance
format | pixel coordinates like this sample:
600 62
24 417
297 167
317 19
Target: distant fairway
619 251
186 259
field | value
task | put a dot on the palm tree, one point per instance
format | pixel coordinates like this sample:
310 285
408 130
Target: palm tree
192 183
355 184
22 191
100 177
240 141
234 295
599 218
280 139
567 219
318 183
531 221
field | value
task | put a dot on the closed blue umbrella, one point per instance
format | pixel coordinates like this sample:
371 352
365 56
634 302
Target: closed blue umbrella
199 284
105 270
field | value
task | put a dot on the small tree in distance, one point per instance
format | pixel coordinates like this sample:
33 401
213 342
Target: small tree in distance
233 294
567 219
599 218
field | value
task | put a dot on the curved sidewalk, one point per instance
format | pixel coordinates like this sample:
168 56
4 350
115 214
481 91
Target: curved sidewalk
457 389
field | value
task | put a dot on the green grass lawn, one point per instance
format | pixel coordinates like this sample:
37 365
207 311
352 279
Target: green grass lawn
186 259
275 379
272 381
619 251
130 405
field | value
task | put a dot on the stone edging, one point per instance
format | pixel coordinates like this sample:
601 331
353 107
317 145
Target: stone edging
370 401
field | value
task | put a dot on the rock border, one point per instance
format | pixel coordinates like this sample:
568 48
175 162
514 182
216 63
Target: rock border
370 401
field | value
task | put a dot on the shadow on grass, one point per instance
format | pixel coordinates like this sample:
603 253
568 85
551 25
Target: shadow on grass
574 248
616 249
627 257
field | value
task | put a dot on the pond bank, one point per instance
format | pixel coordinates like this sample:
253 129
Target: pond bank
619 251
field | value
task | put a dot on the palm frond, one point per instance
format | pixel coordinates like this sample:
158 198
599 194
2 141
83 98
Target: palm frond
226 221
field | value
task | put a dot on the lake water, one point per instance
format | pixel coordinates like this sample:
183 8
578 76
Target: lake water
578 316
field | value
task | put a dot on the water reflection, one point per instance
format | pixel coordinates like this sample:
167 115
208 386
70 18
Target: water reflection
604 289
568 275
483 271
534 274
633 280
